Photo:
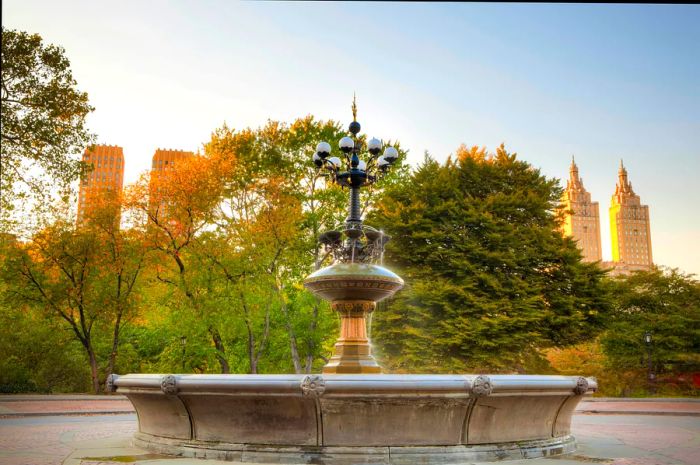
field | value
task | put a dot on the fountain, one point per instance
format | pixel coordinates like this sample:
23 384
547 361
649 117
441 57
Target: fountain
352 413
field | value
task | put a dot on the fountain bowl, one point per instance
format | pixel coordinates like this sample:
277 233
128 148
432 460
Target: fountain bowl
353 281
343 419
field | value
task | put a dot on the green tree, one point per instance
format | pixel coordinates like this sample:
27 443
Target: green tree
43 122
118 268
82 276
38 354
276 204
665 303
490 281
178 206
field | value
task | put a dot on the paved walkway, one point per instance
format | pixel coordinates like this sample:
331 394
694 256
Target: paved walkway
63 405
687 407
56 430
48 440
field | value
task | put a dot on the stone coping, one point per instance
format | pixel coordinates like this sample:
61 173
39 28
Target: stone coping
362 385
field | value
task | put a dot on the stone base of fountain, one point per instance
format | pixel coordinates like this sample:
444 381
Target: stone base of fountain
349 419
406 455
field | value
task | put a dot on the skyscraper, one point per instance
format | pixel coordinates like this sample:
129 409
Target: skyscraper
164 161
629 226
582 221
107 176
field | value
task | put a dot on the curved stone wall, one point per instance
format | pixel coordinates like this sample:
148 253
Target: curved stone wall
338 418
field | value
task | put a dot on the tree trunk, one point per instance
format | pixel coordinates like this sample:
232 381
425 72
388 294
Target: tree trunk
115 345
220 351
93 369
251 349
293 346
311 345
295 352
309 363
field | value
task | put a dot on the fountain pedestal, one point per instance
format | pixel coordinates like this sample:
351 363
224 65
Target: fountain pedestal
354 290
353 353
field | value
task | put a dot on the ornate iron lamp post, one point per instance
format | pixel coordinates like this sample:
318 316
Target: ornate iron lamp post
650 369
355 173
355 282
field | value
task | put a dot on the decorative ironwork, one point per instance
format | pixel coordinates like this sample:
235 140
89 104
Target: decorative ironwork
313 386
482 386
362 244
355 242
353 307
168 384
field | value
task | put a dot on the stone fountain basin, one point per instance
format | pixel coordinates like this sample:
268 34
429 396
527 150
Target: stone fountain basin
344 419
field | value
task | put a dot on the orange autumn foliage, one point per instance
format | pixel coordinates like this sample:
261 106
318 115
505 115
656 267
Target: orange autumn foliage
179 202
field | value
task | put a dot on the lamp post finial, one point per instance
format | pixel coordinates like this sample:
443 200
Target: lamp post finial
354 107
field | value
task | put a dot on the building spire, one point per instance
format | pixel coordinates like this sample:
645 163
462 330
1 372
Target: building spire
581 217
623 184
574 179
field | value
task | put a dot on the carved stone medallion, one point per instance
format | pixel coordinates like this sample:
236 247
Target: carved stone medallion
581 386
482 386
168 384
313 386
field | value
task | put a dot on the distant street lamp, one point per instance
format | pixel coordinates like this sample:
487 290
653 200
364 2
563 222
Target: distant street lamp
650 371
183 342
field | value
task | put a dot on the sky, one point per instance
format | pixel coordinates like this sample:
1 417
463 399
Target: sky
601 82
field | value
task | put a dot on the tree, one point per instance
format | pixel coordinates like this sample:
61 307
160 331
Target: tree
490 280
663 302
273 212
43 121
82 275
38 354
276 205
119 264
178 205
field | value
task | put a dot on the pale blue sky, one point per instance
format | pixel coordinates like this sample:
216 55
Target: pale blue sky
598 81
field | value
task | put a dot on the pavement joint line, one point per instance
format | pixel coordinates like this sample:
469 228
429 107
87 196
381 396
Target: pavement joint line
58 398
636 412
641 399
73 413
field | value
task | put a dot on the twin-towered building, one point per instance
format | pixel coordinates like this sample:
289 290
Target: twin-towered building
107 174
629 223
